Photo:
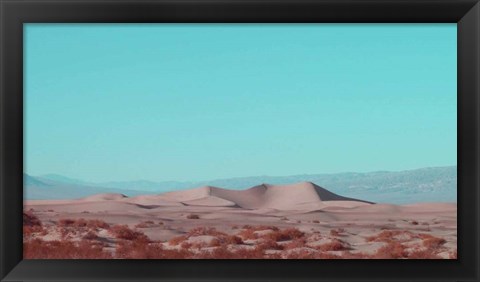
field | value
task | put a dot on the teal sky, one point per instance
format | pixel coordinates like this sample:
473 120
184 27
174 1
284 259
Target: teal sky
197 102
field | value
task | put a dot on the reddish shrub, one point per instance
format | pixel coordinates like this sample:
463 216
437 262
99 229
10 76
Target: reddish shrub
233 240
269 244
392 250
247 234
90 236
433 243
387 236
186 245
334 245
177 240
334 232
285 235
297 243
226 240
145 224
30 220
138 249
193 216
423 254
124 232
214 243
200 231
66 222
256 253
81 223
30 229
39 249
96 223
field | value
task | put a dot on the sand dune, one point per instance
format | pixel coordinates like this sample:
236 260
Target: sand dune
281 197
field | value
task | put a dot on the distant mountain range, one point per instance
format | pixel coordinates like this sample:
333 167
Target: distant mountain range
436 184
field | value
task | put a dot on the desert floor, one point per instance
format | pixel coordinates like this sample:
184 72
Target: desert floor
295 221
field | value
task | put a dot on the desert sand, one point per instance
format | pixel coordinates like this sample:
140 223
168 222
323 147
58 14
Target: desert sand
360 226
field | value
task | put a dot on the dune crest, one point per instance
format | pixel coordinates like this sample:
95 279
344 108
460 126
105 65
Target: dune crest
281 197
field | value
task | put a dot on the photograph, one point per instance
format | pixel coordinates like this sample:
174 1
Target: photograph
239 141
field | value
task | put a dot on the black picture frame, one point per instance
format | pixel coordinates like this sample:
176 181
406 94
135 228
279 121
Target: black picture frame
466 13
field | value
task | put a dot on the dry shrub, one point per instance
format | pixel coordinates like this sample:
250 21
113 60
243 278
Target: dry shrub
261 227
193 216
269 244
200 231
256 253
233 240
138 249
64 222
39 249
177 240
146 224
90 236
124 232
334 245
223 240
334 232
297 243
387 236
83 223
247 234
96 223
393 250
142 249
414 222
30 220
316 221
220 239
433 243
31 230
215 242
186 245
423 254
284 235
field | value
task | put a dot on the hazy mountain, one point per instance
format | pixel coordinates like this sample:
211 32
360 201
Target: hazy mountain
62 179
37 188
437 184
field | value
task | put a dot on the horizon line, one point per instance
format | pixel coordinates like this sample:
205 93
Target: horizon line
236 177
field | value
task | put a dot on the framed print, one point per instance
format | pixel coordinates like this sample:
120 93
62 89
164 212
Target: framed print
252 141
